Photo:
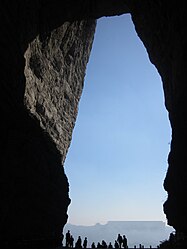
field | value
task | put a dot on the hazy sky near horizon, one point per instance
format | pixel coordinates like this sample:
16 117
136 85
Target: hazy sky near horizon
117 160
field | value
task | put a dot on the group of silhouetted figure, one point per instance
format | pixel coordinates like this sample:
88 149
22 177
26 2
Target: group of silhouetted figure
120 242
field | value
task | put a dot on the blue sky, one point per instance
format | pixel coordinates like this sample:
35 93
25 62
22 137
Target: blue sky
117 160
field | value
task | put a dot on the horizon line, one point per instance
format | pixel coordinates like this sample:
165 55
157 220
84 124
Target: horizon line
110 221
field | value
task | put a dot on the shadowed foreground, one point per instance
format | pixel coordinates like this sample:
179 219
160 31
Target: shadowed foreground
61 247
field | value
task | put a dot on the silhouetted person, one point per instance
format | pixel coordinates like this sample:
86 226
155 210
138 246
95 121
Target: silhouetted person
68 235
120 240
79 243
116 245
124 242
99 245
104 244
85 242
71 241
110 245
93 245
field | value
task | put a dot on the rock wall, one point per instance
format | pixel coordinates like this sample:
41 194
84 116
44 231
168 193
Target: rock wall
161 27
44 49
55 69
42 76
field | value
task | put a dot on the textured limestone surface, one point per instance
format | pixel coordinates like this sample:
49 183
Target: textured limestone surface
44 49
55 70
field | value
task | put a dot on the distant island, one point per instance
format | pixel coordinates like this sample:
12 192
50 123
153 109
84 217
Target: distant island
147 233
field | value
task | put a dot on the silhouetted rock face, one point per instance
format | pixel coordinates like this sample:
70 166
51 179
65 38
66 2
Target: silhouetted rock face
42 74
44 49
160 25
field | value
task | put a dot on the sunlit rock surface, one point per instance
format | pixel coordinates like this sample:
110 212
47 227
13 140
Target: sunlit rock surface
55 69
44 49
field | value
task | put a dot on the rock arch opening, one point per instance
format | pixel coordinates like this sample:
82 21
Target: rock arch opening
118 156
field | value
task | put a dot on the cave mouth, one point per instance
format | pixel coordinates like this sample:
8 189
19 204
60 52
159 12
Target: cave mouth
118 154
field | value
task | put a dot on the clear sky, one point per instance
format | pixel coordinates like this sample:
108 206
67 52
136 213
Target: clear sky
117 160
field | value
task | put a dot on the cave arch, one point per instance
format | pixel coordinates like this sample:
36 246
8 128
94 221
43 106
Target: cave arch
32 142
